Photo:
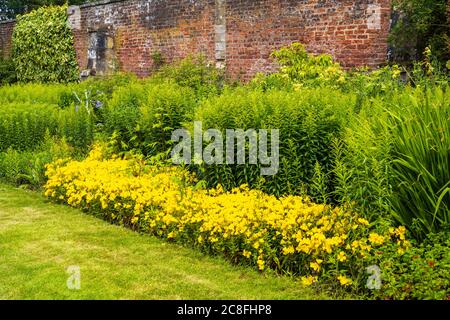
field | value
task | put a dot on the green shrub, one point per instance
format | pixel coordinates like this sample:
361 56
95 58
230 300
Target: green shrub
421 161
395 161
166 108
33 93
24 126
301 69
422 272
76 125
27 168
122 114
362 168
308 121
421 24
7 71
43 48
142 118
196 73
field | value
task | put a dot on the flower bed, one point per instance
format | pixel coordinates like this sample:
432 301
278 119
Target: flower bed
287 234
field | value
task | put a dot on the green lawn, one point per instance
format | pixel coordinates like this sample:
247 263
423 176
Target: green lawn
39 240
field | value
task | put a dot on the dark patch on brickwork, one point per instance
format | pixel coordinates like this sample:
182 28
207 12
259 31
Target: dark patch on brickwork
236 34
6 32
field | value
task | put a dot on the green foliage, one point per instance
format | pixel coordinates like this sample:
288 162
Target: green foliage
301 69
7 71
363 161
43 48
25 126
122 115
421 24
422 272
142 117
167 107
421 164
76 125
308 121
33 93
395 159
195 73
27 168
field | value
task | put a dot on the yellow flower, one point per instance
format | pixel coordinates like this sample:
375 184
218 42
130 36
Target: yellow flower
295 225
341 256
400 232
308 280
315 266
363 221
246 253
288 250
344 281
171 235
134 220
261 264
375 238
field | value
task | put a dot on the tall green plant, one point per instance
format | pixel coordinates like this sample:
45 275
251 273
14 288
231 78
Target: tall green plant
307 122
421 165
43 49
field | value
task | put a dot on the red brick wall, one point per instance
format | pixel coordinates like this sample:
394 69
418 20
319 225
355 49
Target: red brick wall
6 31
353 32
174 28
239 34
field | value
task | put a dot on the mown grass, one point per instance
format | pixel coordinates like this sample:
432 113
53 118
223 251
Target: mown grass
40 240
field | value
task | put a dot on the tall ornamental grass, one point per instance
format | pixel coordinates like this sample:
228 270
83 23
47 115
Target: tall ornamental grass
421 160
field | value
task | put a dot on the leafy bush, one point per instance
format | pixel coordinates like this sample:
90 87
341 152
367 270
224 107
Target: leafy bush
142 118
7 71
123 113
43 48
76 125
196 73
25 126
421 272
308 120
421 162
301 69
33 93
27 168
420 24
395 159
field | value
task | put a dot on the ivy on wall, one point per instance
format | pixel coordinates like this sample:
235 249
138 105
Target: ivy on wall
43 49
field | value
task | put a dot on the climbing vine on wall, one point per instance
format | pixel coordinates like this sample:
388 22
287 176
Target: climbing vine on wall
43 48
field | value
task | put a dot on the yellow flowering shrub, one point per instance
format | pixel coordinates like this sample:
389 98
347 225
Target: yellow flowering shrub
291 233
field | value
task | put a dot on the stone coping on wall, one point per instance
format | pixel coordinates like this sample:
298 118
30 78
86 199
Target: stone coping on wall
97 3
8 21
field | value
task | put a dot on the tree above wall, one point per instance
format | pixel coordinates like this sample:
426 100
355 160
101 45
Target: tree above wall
10 8
420 24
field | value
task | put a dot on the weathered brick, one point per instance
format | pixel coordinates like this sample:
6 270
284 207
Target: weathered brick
239 34
6 31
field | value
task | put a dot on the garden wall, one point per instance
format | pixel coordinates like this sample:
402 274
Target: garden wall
238 34
6 30
133 35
